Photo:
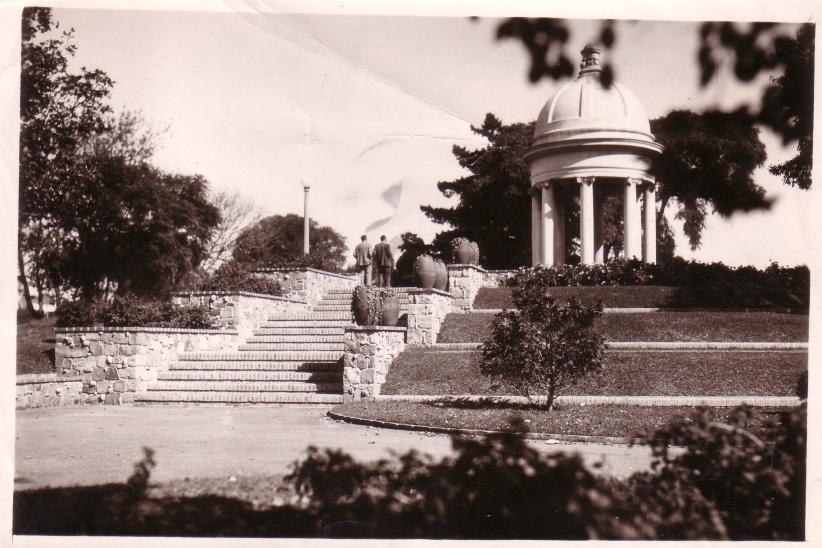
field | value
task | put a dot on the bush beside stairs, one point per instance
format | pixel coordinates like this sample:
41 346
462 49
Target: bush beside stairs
291 358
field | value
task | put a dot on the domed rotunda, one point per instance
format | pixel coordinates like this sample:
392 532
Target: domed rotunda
591 141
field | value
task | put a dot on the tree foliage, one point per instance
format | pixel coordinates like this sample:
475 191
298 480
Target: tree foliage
542 346
708 162
237 214
494 199
278 241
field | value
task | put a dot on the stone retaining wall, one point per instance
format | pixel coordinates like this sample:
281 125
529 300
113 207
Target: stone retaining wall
465 281
369 352
112 363
427 309
309 284
48 390
241 311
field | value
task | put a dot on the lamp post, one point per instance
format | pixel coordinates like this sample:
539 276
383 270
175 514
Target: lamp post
306 188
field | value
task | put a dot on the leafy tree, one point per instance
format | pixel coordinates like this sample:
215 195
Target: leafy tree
59 111
493 198
136 228
278 241
542 346
237 213
708 161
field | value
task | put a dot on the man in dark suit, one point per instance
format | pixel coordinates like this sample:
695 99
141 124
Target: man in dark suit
385 262
363 255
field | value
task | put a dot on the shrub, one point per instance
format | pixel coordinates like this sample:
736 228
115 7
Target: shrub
707 284
132 312
76 314
234 277
542 346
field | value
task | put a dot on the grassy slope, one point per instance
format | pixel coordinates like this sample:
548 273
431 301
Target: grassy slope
626 373
622 421
659 326
35 344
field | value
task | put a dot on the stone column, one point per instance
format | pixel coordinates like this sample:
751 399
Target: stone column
632 236
536 227
586 218
547 228
649 247
559 233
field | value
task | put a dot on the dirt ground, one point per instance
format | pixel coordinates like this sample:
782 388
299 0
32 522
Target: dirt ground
96 445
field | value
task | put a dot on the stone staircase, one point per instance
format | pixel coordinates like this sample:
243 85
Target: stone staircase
291 358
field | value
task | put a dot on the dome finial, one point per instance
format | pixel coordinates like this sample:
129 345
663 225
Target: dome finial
590 59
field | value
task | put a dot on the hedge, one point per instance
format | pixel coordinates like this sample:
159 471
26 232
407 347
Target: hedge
132 312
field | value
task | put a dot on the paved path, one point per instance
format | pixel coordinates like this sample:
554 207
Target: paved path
94 445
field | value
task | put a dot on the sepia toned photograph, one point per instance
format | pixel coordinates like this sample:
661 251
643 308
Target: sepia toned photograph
342 275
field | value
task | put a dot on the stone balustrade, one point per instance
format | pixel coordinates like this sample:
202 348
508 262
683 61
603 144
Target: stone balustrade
369 353
309 284
240 311
112 363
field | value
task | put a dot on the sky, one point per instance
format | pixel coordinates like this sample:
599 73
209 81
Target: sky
357 105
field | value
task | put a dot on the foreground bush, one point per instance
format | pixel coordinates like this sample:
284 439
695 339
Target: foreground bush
542 346
708 283
132 312
234 277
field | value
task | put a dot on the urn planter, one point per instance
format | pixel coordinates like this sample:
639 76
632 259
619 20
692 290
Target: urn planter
441 279
365 305
461 248
425 271
390 308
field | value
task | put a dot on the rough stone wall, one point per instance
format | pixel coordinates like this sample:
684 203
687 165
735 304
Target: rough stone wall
497 278
427 309
48 390
113 363
369 352
242 312
309 284
465 281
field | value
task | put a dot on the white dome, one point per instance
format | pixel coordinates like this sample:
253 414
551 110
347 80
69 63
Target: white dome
585 109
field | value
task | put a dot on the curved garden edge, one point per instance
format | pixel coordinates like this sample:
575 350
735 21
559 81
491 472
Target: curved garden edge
570 438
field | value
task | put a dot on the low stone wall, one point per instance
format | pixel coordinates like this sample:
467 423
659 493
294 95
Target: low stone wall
241 311
369 352
465 281
48 390
112 363
427 309
497 278
309 284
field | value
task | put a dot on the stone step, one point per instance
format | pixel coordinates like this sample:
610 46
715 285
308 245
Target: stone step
265 376
282 356
297 338
299 331
338 315
341 308
336 293
308 323
245 386
238 397
309 346
250 365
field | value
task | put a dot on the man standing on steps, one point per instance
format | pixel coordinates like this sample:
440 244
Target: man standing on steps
385 262
363 255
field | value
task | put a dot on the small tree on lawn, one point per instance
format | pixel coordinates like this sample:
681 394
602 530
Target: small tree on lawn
543 346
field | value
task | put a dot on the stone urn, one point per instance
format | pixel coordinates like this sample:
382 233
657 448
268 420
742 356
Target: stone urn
441 280
425 271
461 248
390 308
365 305
474 258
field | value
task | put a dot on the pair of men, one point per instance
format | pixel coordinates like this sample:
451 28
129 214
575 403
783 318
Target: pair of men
382 258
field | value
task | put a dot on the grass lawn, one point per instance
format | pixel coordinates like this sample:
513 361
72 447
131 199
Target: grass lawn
618 421
626 374
35 344
617 296
660 326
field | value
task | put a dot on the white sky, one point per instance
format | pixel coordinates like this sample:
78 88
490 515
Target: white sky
354 104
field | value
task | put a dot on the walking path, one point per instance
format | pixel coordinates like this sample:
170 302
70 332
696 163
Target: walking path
96 445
